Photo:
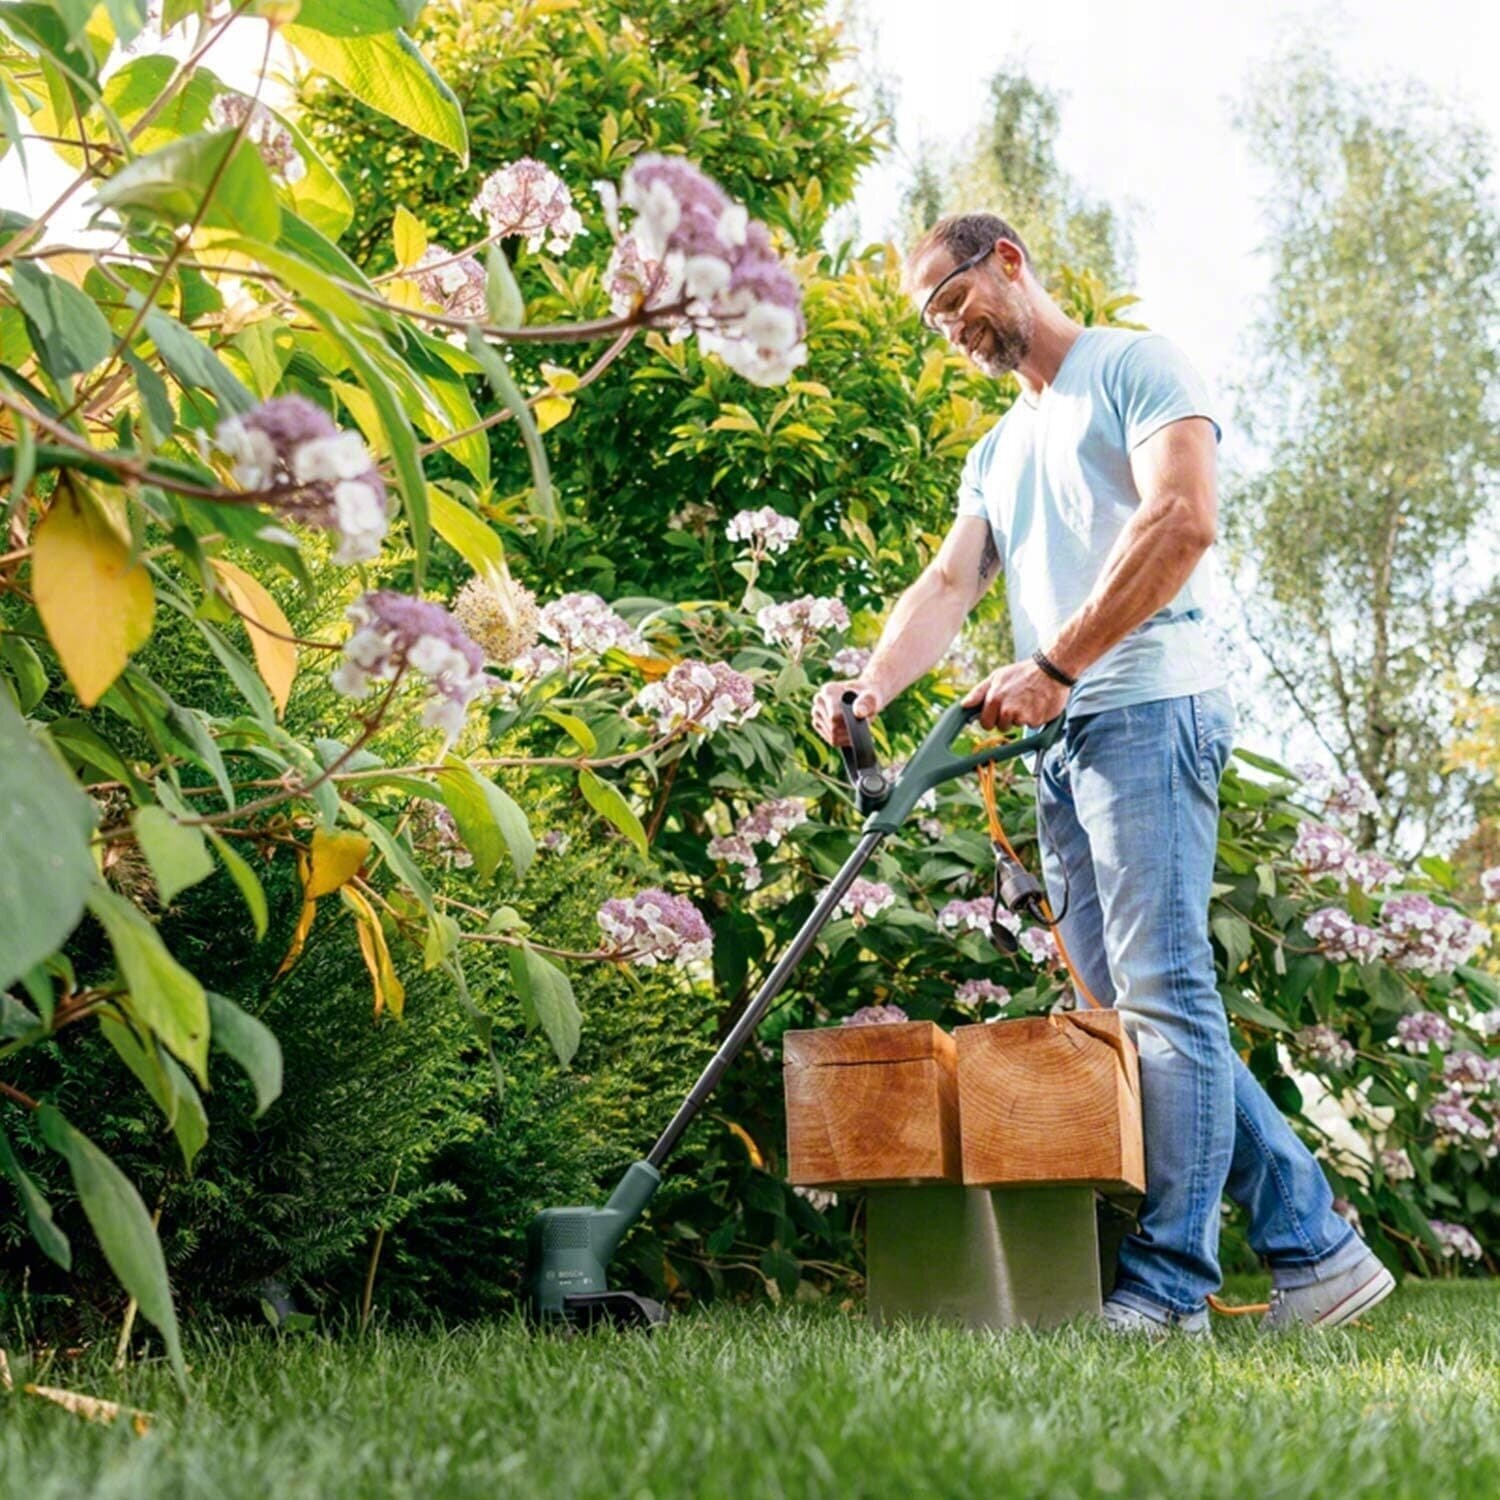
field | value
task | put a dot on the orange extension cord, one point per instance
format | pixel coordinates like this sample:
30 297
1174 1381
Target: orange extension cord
997 833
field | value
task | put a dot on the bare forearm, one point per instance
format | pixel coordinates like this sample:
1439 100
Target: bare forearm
920 629
1151 561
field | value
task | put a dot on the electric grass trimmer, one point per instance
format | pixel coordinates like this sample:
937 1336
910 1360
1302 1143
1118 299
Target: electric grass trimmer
569 1249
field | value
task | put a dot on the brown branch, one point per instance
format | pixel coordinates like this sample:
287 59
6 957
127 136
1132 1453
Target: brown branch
18 1096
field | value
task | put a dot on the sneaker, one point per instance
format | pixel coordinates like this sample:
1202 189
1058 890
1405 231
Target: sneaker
1332 1300
1120 1318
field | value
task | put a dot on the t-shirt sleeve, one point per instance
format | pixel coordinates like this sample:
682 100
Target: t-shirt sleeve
971 482
1155 383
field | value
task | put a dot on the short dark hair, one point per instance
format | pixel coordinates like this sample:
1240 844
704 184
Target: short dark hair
963 235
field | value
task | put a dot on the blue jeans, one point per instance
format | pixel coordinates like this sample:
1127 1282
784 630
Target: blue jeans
1129 807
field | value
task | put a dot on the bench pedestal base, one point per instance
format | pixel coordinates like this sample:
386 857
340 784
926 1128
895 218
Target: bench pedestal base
981 1257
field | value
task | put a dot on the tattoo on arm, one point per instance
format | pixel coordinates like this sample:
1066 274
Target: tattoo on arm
989 559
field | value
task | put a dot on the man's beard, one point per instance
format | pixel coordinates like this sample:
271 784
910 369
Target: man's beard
1001 348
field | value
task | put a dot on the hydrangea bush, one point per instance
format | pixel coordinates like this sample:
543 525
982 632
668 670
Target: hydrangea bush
263 426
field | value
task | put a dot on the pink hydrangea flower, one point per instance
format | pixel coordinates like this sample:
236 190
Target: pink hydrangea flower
735 849
454 283
820 1200
1351 797
531 202
395 634
656 928
865 899
703 695
974 916
310 471
1416 1033
1370 871
1489 885
963 662
1321 849
1397 1165
1457 1124
1471 1072
1343 940
849 661
770 821
1429 938
767 531
1456 1240
1039 944
691 248
1323 1044
875 1015
797 623
981 992
582 624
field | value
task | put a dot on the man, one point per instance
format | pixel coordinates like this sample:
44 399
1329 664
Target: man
1095 494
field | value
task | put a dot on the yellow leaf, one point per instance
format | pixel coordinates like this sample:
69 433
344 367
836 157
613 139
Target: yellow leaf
92 1408
410 237
551 410
739 1131
560 378
389 990
95 603
362 408
275 656
404 292
336 858
304 922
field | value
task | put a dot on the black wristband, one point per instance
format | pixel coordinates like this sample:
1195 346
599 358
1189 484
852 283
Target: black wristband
1056 673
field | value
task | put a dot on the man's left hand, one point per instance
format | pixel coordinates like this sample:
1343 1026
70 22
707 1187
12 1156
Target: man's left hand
1018 694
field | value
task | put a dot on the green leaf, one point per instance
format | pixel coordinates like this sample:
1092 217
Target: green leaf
178 856
502 296
389 73
357 17
469 536
489 821
504 386
167 1084
583 736
163 995
547 994
607 801
194 364
122 1226
26 667
318 195
169 184
251 1044
36 1208
1239 1004
1264 763
1234 933
46 868
398 434
69 333
245 879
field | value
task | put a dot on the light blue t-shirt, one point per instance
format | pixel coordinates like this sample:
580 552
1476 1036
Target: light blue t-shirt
1053 479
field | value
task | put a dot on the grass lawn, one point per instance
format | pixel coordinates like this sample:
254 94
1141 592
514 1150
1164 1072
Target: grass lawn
799 1401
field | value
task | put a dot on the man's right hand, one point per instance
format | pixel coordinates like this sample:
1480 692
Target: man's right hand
828 715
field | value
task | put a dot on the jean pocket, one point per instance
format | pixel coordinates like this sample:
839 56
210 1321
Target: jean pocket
1214 723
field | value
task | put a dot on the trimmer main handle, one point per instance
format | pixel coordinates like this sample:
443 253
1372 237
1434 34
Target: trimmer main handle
935 763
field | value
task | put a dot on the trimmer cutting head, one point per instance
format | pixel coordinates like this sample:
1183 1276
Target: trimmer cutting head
568 1252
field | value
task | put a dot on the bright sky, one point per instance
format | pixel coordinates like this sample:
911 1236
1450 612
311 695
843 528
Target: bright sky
1146 92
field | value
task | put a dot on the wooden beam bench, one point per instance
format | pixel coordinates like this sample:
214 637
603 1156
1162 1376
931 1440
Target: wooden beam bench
980 1154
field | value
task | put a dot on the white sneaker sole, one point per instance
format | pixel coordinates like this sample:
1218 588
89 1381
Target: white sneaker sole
1360 1300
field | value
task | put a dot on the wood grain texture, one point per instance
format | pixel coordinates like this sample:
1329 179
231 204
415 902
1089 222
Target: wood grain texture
871 1106
1051 1099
